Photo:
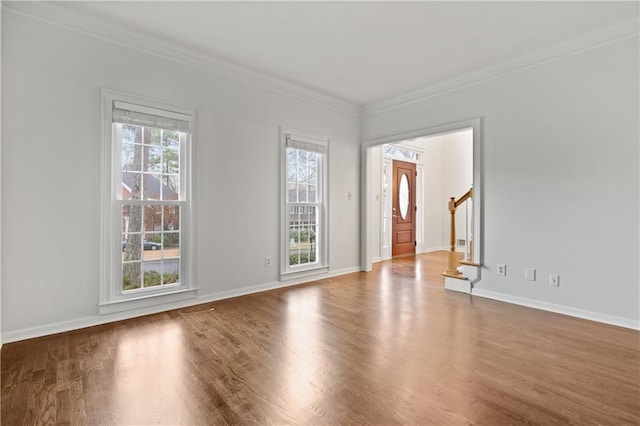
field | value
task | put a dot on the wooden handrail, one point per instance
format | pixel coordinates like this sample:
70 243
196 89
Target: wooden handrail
464 198
452 263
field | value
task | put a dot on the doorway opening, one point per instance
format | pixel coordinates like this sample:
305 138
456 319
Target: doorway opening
407 184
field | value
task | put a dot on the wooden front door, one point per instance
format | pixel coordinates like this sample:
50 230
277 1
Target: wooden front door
403 212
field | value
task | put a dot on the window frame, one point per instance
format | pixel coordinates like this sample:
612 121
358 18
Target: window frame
288 272
112 298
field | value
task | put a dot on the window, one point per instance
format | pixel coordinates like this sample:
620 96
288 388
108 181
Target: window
401 153
304 243
147 203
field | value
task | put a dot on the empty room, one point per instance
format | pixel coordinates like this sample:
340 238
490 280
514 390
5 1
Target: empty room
320 213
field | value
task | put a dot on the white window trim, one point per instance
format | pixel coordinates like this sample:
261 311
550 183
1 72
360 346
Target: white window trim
287 272
112 299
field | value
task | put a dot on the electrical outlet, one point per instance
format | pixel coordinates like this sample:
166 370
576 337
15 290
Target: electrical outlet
501 269
554 280
267 262
530 274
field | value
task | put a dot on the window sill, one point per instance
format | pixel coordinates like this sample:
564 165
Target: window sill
146 301
304 273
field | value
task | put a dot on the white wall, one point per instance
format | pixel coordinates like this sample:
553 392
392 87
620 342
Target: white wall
52 79
561 179
435 201
457 178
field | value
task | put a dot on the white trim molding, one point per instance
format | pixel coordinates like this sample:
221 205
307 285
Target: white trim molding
64 15
559 309
319 144
559 51
478 173
112 298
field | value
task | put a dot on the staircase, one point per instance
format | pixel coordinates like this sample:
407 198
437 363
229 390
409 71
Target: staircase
461 274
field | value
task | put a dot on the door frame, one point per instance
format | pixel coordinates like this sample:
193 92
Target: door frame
366 184
386 159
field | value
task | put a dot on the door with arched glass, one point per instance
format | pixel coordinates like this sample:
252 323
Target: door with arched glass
403 212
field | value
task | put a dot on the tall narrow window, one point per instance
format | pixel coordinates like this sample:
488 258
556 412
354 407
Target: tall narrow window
305 203
147 216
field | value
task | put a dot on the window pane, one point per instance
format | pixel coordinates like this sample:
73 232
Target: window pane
153 219
301 176
152 245
171 277
292 168
292 193
152 187
152 161
171 139
312 193
152 136
131 186
171 161
302 193
131 275
152 277
131 219
171 218
170 244
400 153
131 157
131 247
313 175
131 134
302 157
171 271
170 257
170 187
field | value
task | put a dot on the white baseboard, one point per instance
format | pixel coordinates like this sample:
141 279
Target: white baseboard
436 248
376 260
78 323
559 309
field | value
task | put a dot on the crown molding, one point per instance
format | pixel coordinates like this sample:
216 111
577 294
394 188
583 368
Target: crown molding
559 51
62 14
65 16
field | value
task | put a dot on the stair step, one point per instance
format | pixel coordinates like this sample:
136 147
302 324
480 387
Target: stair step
463 285
457 277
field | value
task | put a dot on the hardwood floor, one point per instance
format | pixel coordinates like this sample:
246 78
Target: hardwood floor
386 347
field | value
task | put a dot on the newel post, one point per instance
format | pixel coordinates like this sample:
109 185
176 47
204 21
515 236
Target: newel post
452 264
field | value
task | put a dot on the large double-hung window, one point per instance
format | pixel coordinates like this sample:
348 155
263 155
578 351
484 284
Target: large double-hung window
147 246
304 245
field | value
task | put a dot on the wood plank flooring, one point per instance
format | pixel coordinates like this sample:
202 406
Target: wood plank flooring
386 347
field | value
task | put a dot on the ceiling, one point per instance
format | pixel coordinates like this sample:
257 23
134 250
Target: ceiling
362 52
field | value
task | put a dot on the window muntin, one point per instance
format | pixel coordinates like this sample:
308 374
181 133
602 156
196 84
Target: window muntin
401 153
150 171
303 201
305 225
147 242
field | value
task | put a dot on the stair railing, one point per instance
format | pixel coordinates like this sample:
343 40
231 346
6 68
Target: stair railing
452 263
